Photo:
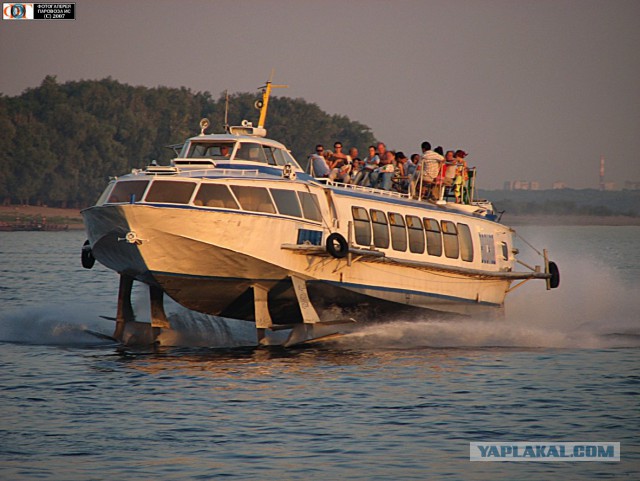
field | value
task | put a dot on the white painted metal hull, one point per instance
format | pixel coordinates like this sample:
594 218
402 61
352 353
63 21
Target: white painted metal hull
209 260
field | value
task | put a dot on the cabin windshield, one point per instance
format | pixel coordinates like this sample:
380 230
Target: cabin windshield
208 150
251 151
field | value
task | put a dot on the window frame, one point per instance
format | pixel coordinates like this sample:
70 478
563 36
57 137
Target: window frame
412 232
466 242
381 237
398 232
434 237
237 192
315 206
275 192
359 226
158 184
207 185
450 239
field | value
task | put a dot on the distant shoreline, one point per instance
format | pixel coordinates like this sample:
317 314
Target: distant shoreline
603 220
73 218
53 215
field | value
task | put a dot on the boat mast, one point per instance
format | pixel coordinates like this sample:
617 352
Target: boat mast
263 104
226 111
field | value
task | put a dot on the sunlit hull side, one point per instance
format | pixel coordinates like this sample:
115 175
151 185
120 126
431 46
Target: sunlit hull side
209 261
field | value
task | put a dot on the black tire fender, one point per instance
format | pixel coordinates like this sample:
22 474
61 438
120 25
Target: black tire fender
337 245
555 275
87 256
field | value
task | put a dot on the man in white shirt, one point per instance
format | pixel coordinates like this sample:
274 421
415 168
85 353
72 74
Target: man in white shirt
431 162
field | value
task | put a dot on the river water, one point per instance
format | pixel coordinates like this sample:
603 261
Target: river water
401 400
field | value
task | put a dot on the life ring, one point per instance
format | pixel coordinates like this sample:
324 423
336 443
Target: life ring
337 245
87 256
555 275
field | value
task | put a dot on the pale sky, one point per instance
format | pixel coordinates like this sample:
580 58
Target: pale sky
532 89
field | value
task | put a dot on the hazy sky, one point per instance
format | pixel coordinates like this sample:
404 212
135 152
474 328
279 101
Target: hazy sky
533 90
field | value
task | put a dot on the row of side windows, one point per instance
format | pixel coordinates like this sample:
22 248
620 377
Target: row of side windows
381 229
256 199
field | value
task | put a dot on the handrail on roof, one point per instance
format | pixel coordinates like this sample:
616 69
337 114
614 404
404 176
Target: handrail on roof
362 188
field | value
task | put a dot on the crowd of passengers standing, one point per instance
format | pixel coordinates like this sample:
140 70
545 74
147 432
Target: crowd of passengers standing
424 176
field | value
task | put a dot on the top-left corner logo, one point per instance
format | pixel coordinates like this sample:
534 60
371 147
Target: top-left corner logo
17 11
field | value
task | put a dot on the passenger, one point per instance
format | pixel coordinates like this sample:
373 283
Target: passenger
462 175
381 150
224 150
355 168
351 156
401 178
410 167
317 164
353 153
429 169
328 155
382 177
448 171
369 164
340 165
338 158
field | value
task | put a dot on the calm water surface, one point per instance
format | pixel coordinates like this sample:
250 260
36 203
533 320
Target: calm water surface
397 401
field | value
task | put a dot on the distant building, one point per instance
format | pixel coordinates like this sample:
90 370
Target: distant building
632 184
525 185
608 186
559 185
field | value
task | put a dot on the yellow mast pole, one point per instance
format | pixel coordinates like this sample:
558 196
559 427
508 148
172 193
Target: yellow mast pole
266 92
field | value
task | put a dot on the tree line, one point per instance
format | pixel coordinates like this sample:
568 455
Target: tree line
60 142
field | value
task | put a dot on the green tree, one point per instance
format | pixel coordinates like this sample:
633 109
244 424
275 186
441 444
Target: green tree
61 142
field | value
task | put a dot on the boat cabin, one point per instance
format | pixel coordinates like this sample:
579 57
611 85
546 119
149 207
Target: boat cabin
233 149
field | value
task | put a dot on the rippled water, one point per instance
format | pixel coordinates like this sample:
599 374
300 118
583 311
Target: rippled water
401 400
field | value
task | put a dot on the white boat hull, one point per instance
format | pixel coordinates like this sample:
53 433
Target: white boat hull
209 261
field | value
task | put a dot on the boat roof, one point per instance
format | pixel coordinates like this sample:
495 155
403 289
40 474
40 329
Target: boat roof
236 138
